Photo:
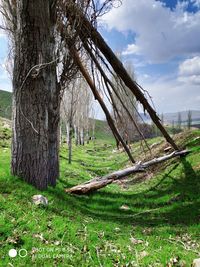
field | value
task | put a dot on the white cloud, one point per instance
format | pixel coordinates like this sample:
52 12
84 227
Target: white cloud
161 33
190 66
193 79
131 49
172 95
189 71
146 76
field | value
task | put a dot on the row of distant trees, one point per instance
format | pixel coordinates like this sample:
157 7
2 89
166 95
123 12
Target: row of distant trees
180 121
175 126
77 114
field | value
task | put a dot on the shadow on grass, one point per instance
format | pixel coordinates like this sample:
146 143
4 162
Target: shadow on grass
172 201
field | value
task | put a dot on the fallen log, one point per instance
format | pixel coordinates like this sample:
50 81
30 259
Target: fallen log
101 182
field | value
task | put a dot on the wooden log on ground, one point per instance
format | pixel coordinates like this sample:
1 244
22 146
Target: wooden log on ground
101 182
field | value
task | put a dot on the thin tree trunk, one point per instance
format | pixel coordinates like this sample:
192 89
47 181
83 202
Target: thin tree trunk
35 103
82 138
60 134
70 143
76 134
67 133
93 129
101 102
71 128
79 136
87 134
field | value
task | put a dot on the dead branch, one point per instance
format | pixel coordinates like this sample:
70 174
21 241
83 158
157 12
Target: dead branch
88 32
100 100
101 182
109 83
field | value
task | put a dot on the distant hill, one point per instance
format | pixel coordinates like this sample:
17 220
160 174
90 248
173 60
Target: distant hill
173 116
102 127
102 130
170 117
5 104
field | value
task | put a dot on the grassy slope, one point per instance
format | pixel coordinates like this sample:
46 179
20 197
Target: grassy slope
92 230
102 131
5 104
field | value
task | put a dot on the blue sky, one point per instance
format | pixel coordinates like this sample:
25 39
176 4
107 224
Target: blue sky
5 81
161 39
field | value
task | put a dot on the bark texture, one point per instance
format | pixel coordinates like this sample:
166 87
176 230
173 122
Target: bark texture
35 96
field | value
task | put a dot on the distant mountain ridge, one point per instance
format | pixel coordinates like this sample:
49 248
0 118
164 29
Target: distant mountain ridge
170 117
173 117
6 103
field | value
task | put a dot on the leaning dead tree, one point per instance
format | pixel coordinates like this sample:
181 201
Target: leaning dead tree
90 37
100 53
49 40
125 110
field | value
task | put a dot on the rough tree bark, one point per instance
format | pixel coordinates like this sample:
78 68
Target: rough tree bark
53 128
35 96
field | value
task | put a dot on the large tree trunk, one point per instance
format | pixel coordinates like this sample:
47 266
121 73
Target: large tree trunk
36 96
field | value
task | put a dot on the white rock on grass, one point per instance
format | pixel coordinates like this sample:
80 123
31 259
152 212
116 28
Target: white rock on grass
39 199
124 207
196 263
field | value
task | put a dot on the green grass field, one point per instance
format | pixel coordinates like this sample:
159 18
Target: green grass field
162 221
